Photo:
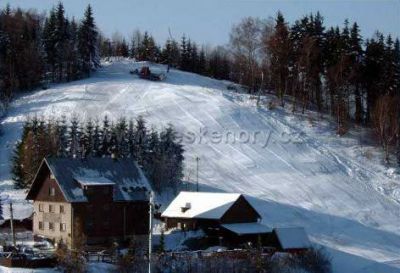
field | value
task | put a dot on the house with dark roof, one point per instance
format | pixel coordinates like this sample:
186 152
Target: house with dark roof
97 200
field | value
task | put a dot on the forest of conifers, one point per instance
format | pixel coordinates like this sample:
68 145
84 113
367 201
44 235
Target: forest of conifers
331 69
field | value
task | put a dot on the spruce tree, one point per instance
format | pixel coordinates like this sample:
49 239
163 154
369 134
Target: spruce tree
73 138
183 54
73 68
60 40
356 56
140 137
49 40
105 137
280 48
88 36
202 62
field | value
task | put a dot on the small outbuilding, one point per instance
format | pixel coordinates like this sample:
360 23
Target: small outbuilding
291 239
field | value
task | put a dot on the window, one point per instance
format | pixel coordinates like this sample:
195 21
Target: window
51 226
89 225
105 190
51 208
52 191
63 227
41 225
62 209
40 207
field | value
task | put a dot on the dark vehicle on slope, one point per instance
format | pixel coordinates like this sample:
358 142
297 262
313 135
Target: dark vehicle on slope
145 73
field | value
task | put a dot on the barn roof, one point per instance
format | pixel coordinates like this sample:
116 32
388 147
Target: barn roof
292 238
204 205
71 174
247 228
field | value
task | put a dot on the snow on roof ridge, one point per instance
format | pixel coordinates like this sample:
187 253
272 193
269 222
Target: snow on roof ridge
206 205
247 228
93 181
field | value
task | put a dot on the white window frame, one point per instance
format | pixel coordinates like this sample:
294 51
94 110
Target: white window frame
52 191
63 227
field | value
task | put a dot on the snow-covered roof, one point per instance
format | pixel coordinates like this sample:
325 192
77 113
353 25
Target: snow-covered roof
129 183
93 181
292 238
247 228
205 205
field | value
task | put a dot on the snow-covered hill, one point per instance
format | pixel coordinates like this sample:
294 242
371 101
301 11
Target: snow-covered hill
296 170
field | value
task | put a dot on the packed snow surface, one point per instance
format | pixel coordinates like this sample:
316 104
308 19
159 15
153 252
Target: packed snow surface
205 205
292 168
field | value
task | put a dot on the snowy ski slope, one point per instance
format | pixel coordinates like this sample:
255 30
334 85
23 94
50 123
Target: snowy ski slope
296 173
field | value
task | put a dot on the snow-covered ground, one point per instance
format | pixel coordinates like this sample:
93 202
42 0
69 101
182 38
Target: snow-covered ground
294 169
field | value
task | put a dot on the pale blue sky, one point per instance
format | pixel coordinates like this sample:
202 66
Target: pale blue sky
209 21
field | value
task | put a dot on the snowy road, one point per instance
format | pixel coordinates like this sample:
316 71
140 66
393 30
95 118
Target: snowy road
305 176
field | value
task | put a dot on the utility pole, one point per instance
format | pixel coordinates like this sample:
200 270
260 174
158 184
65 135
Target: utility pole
197 173
12 224
150 227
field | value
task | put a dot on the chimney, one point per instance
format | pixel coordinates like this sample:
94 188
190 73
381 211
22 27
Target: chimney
186 207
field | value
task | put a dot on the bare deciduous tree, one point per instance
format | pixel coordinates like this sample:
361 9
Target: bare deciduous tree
385 121
247 49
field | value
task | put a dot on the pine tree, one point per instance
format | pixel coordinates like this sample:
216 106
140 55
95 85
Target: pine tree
88 36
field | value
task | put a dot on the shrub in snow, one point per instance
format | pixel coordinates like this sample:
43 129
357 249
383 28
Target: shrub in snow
70 261
314 260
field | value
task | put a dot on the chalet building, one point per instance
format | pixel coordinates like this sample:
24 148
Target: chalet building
231 220
92 201
228 215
